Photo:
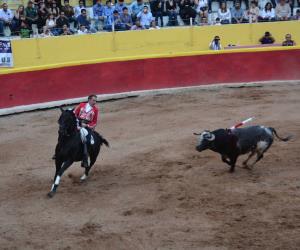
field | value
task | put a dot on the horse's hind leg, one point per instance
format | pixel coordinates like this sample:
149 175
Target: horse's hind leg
87 170
59 174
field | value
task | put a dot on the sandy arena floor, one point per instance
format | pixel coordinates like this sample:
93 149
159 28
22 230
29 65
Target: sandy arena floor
151 189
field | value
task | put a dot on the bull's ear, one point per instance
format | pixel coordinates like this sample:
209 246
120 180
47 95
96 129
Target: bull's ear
61 109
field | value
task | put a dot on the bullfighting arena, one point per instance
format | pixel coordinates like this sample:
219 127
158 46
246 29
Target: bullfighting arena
151 189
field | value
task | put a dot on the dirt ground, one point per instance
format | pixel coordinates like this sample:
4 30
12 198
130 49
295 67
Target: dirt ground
151 189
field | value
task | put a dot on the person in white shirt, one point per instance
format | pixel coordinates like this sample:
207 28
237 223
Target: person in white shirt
6 17
224 14
82 30
153 26
202 9
77 9
215 44
267 13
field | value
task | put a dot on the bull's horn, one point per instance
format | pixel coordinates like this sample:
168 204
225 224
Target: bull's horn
197 134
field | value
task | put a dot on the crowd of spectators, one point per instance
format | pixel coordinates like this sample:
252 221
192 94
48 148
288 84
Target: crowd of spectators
51 18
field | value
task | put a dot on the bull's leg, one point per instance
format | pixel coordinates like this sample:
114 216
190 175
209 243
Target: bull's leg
261 149
225 159
233 161
60 172
249 157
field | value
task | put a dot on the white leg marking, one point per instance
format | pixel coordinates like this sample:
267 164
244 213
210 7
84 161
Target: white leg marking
57 180
261 146
83 177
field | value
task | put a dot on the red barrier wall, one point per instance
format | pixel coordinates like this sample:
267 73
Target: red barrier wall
114 77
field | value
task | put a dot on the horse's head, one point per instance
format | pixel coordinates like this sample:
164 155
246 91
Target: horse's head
67 122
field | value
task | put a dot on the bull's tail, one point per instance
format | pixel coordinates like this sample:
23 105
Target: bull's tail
280 138
105 142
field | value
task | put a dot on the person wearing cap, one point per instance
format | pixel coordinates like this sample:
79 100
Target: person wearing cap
215 44
145 17
267 38
288 41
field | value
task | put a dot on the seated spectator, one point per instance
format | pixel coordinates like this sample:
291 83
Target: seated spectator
157 10
46 32
246 3
136 7
224 14
283 11
120 5
210 2
237 14
145 17
187 11
171 8
215 44
19 16
42 15
61 21
31 15
83 19
153 26
82 30
98 10
202 9
288 41
51 24
297 16
126 19
24 30
218 21
267 14
267 38
117 21
78 9
54 10
203 21
6 17
66 31
137 26
69 11
253 12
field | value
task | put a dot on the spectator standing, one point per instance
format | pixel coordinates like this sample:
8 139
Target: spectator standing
136 7
171 8
31 15
126 19
253 12
98 11
267 14
215 44
145 17
6 17
187 11
267 38
237 14
283 11
158 8
78 9
288 41
224 14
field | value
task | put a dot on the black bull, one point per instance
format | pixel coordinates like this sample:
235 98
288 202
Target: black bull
233 143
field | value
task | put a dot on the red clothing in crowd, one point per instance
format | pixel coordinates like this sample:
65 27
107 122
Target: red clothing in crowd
87 112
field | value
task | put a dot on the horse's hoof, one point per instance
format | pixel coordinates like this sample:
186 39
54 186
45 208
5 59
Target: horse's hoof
51 194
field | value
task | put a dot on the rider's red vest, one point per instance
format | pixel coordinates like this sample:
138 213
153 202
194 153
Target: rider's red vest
91 116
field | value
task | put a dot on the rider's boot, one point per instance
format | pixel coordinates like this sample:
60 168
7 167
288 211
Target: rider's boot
85 163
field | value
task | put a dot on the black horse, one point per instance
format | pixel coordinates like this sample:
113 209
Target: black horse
69 148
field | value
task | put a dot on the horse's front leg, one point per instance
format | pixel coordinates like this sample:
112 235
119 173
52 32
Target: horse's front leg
58 164
59 174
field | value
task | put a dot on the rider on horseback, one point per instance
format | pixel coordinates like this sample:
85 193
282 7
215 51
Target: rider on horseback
87 115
